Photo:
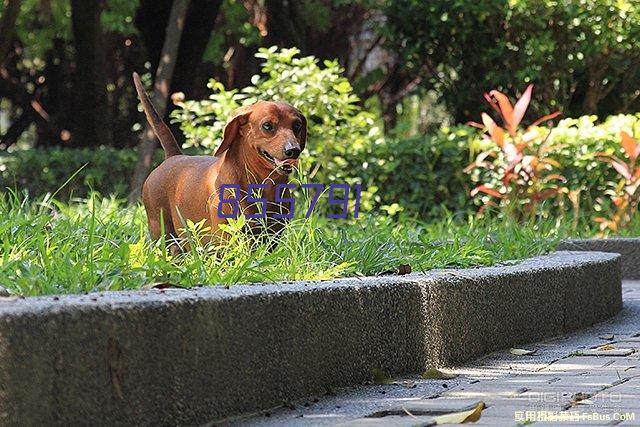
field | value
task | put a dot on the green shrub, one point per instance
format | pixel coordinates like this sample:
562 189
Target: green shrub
581 54
39 171
422 175
419 176
579 141
338 129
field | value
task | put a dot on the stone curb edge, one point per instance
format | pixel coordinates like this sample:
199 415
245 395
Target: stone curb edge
627 247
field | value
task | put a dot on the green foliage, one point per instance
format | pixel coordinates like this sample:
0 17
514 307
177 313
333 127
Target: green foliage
571 49
576 145
235 25
338 129
49 247
522 172
625 196
38 26
41 171
418 176
422 175
118 16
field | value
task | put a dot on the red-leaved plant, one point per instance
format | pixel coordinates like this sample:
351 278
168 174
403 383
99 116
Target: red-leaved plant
520 171
625 196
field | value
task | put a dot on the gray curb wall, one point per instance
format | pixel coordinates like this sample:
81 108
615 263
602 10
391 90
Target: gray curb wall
193 356
628 248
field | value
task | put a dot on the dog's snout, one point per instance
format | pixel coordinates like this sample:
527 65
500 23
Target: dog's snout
292 150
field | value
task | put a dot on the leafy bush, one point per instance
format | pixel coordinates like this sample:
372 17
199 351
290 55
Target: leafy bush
422 175
338 129
581 54
577 143
625 196
418 176
40 171
519 167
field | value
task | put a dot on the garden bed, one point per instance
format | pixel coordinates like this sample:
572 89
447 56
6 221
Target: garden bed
176 356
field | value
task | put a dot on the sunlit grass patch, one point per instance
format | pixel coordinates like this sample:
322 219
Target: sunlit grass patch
98 244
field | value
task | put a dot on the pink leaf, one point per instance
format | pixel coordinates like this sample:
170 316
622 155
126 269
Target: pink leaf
545 118
492 102
622 169
496 132
521 106
630 146
487 190
475 125
506 110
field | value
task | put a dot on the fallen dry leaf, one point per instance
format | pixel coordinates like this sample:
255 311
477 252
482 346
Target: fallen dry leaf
471 415
522 352
434 374
580 398
606 347
408 413
404 269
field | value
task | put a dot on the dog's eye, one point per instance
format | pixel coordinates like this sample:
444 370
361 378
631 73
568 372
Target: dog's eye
268 126
297 125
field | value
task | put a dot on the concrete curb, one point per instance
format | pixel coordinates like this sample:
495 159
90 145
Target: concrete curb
629 248
194 356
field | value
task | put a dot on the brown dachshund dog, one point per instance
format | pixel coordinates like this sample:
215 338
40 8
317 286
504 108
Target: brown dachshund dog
261 144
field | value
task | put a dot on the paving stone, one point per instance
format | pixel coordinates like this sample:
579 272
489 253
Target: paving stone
431 407
577 423
631 418
625 363
530 381
390 421
581 382
610 353
508 408
484 394
491 421
581 362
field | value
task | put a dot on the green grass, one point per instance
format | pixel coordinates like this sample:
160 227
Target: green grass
49 247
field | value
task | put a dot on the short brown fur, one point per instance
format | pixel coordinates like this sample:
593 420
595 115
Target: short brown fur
187 187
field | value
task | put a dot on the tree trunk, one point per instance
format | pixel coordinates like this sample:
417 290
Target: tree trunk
8 26
199 23
593 93
164 74
92 125
151 19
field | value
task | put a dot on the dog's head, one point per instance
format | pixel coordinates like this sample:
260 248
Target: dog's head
275 132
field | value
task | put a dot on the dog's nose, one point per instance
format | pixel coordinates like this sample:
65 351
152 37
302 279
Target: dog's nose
292 152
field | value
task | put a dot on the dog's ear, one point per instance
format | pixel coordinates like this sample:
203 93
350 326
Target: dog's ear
303 132
232 128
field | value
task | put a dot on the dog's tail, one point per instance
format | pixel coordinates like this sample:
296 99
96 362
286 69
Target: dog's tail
162 131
